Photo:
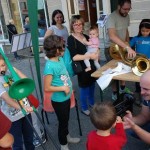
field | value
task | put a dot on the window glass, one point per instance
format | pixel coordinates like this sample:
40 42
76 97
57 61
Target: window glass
41 17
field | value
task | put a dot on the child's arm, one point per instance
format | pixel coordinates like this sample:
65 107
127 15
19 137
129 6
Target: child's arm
87 42
20 74
13 102
9 100
120 130
49 88
6 141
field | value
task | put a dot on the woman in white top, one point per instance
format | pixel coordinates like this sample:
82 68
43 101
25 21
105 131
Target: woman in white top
57 26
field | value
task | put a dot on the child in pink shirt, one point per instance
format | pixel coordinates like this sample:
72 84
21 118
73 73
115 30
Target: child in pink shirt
93 45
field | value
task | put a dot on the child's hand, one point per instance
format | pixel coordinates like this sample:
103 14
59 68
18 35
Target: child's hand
28 109
119 120
66 89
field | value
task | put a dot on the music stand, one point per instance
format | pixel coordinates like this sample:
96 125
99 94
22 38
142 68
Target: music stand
20 42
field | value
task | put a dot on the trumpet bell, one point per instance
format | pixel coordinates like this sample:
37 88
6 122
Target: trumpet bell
141 65
21 88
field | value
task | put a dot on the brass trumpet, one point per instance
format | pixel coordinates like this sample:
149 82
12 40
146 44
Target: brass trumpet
139 64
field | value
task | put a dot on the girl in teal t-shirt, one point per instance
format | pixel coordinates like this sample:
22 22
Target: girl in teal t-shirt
57 81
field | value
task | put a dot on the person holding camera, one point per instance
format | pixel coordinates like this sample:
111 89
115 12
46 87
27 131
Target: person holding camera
140 125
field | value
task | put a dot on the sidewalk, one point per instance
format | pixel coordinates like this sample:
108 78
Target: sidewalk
24 66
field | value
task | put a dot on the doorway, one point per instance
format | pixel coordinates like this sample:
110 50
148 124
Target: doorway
87 9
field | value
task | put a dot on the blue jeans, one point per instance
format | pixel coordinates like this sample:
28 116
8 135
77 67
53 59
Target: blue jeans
87 94
22 132
146 127
15 55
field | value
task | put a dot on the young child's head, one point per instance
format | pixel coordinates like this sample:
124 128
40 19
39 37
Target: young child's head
103 115
54 46
3 66
144 28
93 32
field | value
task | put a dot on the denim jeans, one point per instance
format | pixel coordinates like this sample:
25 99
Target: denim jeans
87 94
15 55
22 132
62 110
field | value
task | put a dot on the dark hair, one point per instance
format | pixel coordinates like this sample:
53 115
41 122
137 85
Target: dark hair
55 12
74 19
122 2
103 115
145 23
52 44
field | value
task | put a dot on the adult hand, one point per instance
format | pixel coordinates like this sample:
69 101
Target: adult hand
126 123
131 52
130 123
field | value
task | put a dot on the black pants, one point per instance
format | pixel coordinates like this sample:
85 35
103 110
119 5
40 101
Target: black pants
62 110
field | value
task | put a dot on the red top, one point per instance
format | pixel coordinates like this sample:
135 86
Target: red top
114 141
5 125
5 148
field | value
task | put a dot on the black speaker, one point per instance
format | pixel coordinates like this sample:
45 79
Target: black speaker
124 103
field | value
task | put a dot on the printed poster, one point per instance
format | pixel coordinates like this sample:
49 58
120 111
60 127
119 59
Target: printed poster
81 4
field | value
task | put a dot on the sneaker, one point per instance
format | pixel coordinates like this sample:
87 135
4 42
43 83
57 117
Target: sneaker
72 140
18 58
42 132
86 112
125 90
37 143
114 96
64 147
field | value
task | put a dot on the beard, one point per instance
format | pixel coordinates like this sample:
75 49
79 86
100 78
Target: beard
123 14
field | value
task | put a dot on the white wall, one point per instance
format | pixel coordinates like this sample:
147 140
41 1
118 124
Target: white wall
140 10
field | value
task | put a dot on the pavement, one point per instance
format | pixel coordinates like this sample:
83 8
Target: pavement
27 66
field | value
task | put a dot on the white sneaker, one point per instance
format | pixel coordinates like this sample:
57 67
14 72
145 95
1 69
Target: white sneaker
114 96
64 147
72 140
86 112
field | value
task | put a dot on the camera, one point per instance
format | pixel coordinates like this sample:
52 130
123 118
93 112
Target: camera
124 103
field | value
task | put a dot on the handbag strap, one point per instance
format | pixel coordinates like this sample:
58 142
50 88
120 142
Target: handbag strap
75 43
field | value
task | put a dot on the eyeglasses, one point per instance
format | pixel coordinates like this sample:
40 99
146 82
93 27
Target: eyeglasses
126 9
77 24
